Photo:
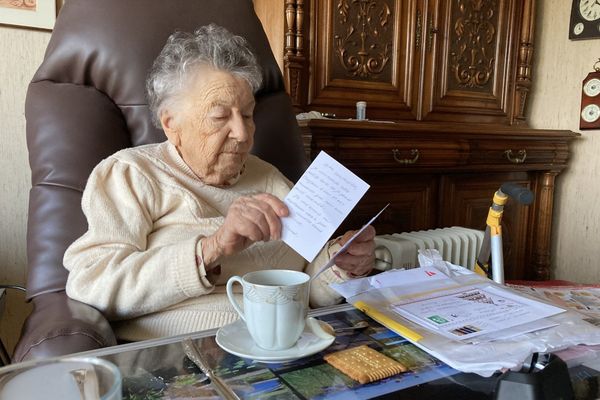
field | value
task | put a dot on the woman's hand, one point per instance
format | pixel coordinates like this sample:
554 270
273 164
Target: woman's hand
359 257
249 219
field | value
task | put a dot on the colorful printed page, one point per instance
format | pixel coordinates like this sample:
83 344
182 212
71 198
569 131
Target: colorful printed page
318 203
162 372
584 299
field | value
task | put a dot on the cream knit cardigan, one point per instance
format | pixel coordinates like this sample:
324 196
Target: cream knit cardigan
146 211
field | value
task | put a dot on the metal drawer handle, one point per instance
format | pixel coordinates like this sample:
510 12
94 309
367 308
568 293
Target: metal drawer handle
406 161
518 159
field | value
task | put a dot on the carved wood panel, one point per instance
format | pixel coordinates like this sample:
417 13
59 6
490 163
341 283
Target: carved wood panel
473 39
362 50
363 40
433 60
470 61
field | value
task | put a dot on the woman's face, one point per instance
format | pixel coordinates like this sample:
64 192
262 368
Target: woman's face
212 125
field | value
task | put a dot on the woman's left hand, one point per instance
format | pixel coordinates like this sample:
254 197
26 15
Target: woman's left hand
359 257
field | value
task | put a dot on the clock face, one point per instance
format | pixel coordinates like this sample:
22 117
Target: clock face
592 87
589 9
589 117
590 113
585 19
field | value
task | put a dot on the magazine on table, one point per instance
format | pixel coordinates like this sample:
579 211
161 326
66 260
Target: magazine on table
166 373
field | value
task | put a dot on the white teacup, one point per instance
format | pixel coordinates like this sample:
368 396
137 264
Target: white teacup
275 306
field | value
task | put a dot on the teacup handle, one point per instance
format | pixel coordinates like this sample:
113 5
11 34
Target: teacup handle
231 297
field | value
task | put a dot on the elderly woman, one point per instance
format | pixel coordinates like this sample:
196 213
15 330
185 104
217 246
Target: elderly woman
169 223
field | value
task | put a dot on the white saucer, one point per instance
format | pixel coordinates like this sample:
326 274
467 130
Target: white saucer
235 339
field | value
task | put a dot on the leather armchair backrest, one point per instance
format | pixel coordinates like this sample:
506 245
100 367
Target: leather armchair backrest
87 101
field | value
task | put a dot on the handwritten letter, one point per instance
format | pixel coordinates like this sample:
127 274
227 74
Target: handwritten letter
318 204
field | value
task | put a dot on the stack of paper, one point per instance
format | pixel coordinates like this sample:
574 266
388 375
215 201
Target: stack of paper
465 320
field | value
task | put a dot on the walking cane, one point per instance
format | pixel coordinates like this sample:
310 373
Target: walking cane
492 240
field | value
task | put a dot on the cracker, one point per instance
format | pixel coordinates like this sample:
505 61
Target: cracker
363 364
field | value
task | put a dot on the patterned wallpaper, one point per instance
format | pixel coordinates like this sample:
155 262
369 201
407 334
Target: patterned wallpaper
22 51
560 65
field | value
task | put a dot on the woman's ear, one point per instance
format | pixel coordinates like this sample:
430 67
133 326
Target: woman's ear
171 128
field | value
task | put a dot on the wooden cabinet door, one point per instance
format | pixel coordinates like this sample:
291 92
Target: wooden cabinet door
431 60
363 51
469 60
465 201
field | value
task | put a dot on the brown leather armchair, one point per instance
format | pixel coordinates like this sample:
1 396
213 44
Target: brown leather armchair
85 102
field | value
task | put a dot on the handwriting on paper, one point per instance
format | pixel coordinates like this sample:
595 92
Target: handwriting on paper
318 203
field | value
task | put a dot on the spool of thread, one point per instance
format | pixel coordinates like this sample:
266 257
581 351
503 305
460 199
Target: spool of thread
361 110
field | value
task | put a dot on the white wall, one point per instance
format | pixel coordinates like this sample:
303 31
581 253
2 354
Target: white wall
22 51
560 67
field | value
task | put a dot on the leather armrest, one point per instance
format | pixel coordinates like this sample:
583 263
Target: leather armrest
59 325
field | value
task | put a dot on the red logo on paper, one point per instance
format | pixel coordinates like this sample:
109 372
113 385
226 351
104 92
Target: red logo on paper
430 273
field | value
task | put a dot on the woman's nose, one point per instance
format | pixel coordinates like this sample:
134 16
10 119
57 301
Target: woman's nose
240 128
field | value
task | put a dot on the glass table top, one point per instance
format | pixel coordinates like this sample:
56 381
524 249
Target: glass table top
159 369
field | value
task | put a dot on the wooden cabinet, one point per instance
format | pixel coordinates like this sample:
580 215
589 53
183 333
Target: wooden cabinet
450 79
434 176
431 60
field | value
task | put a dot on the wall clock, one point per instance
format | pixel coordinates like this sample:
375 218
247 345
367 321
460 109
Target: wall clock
589 117
585 19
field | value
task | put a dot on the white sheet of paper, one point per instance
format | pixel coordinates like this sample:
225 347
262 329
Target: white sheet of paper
393 278
318 203
345 246
473 312
514 331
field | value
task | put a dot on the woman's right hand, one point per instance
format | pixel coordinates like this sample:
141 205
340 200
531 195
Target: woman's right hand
249 219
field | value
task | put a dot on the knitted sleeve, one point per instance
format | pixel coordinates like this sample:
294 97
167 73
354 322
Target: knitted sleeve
112 267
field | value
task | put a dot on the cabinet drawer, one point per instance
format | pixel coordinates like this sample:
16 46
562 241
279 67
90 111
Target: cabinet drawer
517 153
398 155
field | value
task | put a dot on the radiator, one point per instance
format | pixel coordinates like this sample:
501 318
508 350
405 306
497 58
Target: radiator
457 245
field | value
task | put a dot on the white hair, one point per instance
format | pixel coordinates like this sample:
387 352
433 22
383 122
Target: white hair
210 45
